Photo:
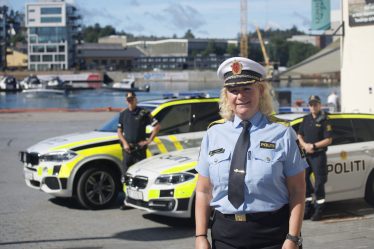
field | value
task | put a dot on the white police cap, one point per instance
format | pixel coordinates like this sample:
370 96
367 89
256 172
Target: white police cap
238 71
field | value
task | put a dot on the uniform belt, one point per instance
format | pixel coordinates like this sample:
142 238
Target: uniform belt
252 216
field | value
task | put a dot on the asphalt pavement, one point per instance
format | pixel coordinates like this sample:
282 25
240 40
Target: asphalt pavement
33 219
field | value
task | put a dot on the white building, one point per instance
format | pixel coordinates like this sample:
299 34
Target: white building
357 53
52 30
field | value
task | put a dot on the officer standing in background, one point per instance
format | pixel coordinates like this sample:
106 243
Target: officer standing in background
131 132
315 135
251 171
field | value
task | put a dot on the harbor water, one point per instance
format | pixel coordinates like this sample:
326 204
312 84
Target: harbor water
101 98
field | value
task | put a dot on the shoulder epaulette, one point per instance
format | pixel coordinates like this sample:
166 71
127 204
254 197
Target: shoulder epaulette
220 121
274 119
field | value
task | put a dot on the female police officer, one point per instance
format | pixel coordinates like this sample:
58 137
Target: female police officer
250 169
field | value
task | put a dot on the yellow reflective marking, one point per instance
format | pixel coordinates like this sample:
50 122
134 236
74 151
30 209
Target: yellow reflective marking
85 142
177 144
180 168
160 145
354 116
40 170
114 150
148 153
50 171
153 193
185 190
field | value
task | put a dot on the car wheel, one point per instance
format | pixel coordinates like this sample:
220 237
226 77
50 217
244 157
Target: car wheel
97 188
369 191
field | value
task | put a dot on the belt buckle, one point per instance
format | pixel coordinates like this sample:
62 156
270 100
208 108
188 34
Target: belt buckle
240 217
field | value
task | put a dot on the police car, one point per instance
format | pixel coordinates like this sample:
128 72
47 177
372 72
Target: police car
165 184
88 165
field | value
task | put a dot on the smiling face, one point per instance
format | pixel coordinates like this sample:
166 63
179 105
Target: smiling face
244 100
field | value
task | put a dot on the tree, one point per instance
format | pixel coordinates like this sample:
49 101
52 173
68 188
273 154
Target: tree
232 50
189 35
210 48
299 51
93 33
278 51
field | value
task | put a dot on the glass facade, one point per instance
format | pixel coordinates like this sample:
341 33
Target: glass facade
47 58
50 19
38 49
51 48
49 34
35 58
51 10
59 57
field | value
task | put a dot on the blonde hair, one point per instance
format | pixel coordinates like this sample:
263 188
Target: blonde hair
266 102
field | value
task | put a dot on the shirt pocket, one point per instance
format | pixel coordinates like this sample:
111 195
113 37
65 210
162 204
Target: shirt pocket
266 164
219 167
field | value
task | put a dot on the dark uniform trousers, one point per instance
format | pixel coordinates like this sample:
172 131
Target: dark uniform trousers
264 230
318 166
136 154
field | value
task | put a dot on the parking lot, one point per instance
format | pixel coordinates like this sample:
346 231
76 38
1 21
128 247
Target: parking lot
32 219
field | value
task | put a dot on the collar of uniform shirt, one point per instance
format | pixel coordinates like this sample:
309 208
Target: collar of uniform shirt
255 121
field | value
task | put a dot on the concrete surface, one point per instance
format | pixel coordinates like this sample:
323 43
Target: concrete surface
33 219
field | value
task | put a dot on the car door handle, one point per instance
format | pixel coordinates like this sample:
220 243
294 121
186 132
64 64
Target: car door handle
367 150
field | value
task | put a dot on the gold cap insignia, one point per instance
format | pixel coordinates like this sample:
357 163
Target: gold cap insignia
236 67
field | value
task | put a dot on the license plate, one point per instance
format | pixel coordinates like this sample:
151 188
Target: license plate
29 176
134 194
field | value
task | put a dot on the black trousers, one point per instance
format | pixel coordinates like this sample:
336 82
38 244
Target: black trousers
318 166
266 230
131 158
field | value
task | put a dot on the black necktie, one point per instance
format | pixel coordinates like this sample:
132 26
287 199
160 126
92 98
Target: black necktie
238 167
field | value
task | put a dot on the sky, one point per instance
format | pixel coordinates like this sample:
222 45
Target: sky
205 18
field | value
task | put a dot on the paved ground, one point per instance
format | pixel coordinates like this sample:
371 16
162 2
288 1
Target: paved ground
32 219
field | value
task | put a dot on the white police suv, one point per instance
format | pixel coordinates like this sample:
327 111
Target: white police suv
88 165
165 184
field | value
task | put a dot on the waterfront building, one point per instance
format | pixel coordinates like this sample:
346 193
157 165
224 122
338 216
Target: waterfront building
106 56
179 54
114 53
52 30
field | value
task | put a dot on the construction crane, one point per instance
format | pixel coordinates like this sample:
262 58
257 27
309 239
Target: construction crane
243 29
268 65
263 49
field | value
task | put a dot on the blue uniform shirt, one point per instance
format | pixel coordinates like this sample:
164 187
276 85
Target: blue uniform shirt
272 156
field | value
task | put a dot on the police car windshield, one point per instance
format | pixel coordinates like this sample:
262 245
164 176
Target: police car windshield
111 125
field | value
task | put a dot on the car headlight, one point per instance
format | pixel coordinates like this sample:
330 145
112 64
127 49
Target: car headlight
174 178
58 156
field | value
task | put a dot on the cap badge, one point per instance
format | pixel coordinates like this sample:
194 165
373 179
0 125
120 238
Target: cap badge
236 68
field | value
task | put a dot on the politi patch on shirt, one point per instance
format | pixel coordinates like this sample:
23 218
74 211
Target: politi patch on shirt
217 151
267 145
